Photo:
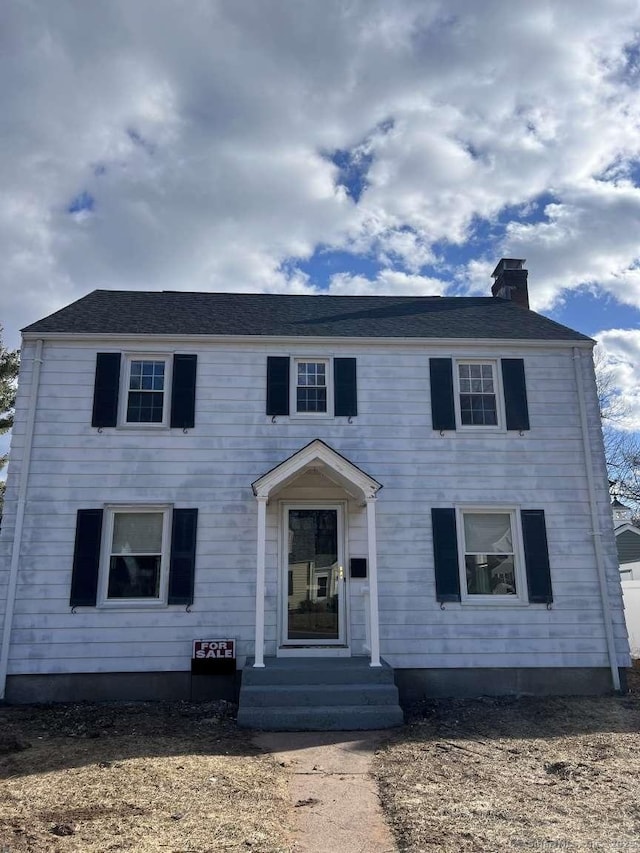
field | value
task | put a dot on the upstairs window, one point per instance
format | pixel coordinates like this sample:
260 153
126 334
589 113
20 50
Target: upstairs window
146 391
312 381
477 394
311 387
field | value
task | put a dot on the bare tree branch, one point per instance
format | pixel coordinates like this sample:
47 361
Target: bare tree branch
9 363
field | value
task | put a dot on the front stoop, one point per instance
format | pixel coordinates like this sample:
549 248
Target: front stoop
318 694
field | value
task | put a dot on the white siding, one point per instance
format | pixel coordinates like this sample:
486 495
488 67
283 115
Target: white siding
212 466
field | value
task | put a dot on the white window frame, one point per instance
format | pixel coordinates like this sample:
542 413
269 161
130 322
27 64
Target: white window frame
325 577
293 396
124 390
520 574
110 512
497 387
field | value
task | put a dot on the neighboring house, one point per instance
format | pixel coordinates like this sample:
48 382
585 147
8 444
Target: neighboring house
420 479
628 546
627 541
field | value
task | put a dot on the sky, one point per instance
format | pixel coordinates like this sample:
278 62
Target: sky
341 146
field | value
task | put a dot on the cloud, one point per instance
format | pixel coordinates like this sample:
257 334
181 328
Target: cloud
590 239
386 283
620 360
215 146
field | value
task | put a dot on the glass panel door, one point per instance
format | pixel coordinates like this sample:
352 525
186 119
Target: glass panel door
314 577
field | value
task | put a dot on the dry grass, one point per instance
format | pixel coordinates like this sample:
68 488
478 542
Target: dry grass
142 777
493 775
485 775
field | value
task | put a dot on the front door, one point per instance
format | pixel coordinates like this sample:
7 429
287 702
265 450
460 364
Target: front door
314 582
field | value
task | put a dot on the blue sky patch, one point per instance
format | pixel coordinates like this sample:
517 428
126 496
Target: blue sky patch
631 68
353 167
589 311
83 202
354 163
325 263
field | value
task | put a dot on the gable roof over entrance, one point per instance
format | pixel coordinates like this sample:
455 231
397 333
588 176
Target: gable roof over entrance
318 455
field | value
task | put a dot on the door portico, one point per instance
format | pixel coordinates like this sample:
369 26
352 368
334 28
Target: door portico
313 575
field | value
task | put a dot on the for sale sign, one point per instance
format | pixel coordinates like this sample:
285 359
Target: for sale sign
214 649
213 657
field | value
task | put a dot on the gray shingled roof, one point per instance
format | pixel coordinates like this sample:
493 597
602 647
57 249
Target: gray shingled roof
136 313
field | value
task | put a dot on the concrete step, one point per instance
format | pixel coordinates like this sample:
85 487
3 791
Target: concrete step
315 695
323 718
316 671
318 694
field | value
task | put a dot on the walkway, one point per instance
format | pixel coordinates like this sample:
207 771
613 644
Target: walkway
333 794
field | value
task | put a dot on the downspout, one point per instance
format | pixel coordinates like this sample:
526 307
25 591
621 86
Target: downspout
17 533
595 524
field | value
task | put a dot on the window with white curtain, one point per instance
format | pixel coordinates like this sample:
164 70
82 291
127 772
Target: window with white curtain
136 551
489 554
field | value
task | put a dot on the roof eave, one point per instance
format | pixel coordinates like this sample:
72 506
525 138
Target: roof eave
584 342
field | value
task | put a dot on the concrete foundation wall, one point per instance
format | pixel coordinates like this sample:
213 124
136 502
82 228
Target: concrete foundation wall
413 685
121 686
416 684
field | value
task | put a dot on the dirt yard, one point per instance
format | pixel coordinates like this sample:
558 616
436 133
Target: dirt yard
141 777
495 775
484 775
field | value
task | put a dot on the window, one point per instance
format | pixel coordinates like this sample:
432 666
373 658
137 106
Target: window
135 564
322 582
489 560
311 387
146 386
491 554
312 379
477 394
134 555
150 390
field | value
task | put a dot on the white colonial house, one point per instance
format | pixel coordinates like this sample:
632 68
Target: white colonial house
412 486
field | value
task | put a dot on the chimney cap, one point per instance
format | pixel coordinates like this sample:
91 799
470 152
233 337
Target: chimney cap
508 264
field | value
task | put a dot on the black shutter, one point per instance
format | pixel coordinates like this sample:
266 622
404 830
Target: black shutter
105 390
183 556
183 391
277 385
536 556
443 414
86 558
515 394
445 554
346 393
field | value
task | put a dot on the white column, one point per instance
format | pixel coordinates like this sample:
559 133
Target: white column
260 580
373 582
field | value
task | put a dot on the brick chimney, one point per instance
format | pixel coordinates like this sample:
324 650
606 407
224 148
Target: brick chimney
510 281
